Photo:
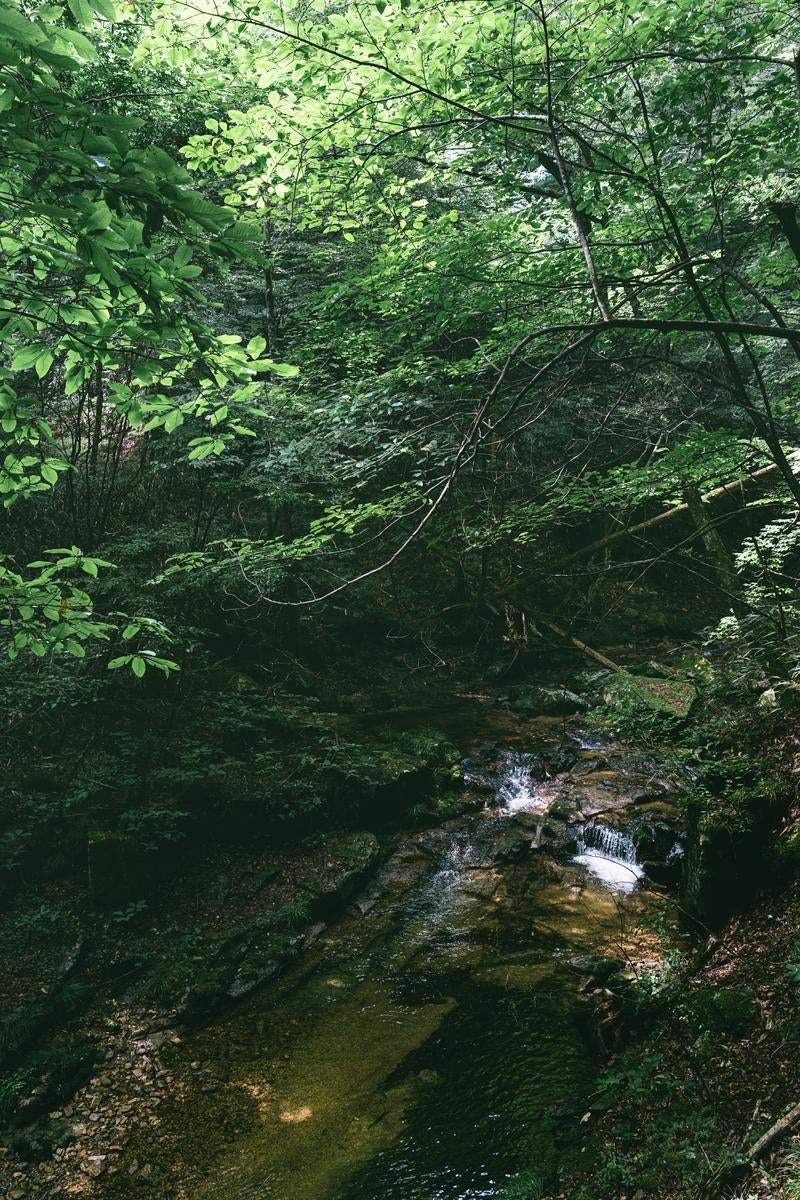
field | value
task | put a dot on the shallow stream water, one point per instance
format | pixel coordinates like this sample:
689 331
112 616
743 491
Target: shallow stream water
432 1044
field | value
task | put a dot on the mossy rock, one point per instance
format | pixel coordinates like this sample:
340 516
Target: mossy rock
673 696
725 1010
561 811
397 771
598 966
530 701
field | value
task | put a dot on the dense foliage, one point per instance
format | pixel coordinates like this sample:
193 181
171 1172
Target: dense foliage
348 339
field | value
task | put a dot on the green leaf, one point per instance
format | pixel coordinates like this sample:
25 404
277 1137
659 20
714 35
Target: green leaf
19 29
81 11
25 357
138 666
105 8
43 363
100 218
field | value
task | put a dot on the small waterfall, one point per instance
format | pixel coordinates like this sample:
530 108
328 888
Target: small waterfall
610 855
517 790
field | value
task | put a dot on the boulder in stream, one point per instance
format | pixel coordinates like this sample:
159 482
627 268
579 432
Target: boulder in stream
528 700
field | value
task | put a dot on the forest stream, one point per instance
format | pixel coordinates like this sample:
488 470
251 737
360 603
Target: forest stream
372 374
434 1041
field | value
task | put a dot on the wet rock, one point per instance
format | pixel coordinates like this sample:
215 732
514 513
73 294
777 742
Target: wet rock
556 836
530 701
654 839
563 759
482 884
358 854
665 874
590 764
652 791
365 904
566 810
247 978
598 966
312 933
511 848
528 819
478 783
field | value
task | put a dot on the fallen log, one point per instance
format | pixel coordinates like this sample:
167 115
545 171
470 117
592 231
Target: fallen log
718 1183
659 518
624 531
579 645
773 1134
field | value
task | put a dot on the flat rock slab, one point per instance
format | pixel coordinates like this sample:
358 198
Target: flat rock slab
482 884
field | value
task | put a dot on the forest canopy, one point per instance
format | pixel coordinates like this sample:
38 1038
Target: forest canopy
340 283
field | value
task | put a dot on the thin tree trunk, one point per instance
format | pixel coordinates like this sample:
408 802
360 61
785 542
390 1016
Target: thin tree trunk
786 213
270 311
579 645
719 554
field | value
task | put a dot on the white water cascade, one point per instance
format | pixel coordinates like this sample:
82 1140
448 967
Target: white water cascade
517 789
610 855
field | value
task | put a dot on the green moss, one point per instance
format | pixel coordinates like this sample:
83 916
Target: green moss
672 696
730 1011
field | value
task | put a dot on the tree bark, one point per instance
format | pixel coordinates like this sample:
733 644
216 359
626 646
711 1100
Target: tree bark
787 219
719 554
579 645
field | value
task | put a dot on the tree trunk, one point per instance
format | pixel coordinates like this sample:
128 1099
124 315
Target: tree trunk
270 311
719 554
